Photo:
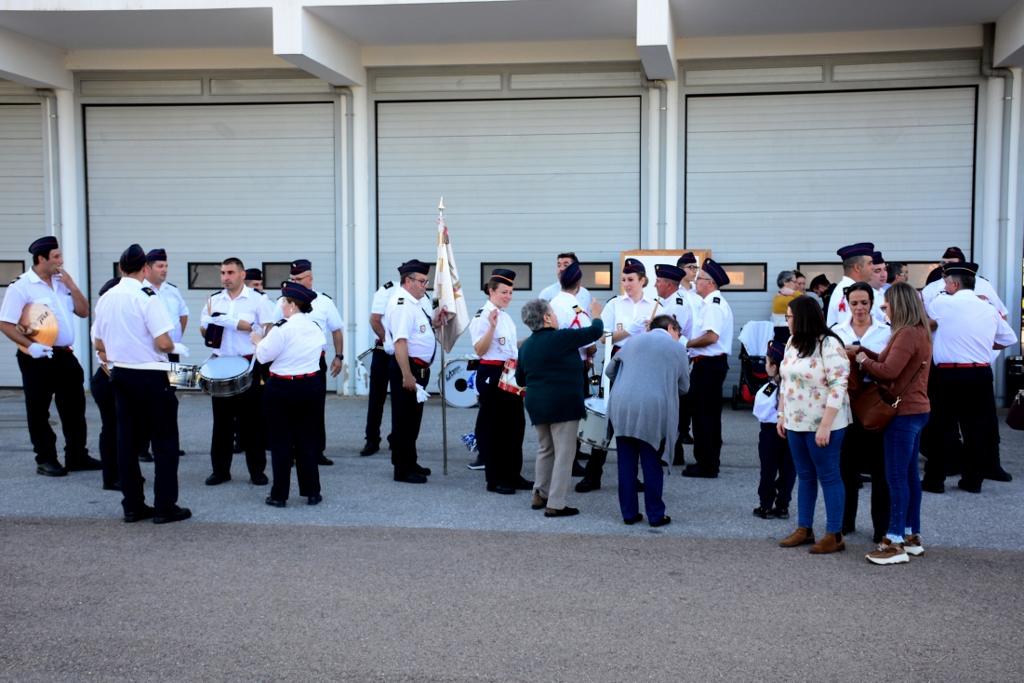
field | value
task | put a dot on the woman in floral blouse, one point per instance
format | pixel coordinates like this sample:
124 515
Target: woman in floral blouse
813 414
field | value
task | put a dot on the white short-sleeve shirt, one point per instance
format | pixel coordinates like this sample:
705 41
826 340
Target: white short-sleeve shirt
714 316
250 306
405 318
325 315
294 345
29 288
128 318
504 345
622 312
172 300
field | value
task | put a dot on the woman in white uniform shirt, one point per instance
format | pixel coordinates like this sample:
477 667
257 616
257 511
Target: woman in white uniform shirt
501 422
862 450
293 398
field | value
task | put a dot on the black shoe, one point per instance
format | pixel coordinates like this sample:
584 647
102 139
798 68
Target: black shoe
848 529
175 514
763 513
237 447
662 522
215 479
633 520
932 487
425 471
259 479
275 503
999 474
369 448
501 488
82 463
411 478
698 473
181 453
970 488
865 478
314 500
687 439
144 512
145 456
323 460
564 512
588 485
51 468
780 513
578 470
524 484
116 486
477 464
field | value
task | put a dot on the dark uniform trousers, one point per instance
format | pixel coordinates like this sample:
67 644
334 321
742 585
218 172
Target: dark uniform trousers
964 397
501 427
778 474
103 394
172 358
864 451
380 361
707 377
249 405
61 379
322 427
146 405
406 415
294 413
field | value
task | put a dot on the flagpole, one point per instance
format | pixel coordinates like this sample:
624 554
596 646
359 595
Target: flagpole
444 399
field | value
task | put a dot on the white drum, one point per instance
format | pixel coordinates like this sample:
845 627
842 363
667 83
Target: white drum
225 376
459 382
363 368
594 427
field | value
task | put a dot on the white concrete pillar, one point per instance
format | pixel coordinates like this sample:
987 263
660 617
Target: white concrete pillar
364 233
649 237
986 244
672 236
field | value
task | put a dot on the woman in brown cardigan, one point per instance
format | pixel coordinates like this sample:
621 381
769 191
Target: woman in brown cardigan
905 362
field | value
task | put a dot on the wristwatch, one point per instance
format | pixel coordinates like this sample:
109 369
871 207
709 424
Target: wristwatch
339 356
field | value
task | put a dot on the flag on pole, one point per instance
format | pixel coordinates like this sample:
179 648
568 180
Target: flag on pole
447 288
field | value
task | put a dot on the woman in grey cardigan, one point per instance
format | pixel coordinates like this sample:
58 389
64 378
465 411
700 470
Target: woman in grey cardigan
649 374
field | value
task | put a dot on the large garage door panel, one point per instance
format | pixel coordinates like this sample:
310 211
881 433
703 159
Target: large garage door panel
191 123
211 196
213 159
218 236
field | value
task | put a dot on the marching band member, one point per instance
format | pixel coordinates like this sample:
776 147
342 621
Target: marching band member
688 263
549 293
132 328
501 422
293 399
228 318
879 274
254 279
856 268
624 316
709 350
671 301
325 315
50 371
410 341
103 394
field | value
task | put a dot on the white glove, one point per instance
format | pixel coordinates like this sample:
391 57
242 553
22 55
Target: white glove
180 349
224 321
37 350
256 336
421 394
638 326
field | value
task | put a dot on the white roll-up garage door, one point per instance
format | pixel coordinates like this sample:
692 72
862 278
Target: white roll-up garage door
521 180
209 182
791 178
22 205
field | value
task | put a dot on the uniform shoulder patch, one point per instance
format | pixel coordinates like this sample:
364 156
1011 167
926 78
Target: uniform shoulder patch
389 285
770 389
716 300
846 290
262 292
171 284
577 309
327 295
679 301
401 300
149 291
280 322
13 281
478 313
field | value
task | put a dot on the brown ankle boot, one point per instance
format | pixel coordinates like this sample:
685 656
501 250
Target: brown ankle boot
829 543
798 537
539 501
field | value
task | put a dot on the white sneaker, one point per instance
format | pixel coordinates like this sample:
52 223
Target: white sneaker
888 553
912 544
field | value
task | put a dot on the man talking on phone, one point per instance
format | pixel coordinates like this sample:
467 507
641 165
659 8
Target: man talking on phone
49 372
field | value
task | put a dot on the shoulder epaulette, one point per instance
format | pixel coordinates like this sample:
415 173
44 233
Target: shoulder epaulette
149 291
846 290
171 284
401 300
576 308
679 301
327 295
716 300
770 389
260 291
389 284
13 281
478 313
280 322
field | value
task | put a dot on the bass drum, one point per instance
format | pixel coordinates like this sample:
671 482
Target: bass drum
459 378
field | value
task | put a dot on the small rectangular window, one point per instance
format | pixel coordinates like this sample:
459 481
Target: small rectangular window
745 277
523 271
597 277
10 271
204 276
274 274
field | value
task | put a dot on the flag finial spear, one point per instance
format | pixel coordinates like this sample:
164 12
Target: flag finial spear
440 207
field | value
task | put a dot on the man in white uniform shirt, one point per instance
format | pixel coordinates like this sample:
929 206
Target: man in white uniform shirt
856 268
50 371
960 388
672 301
709 349
409 339
879 274
131 334
325 315
549 293
227 319
688 263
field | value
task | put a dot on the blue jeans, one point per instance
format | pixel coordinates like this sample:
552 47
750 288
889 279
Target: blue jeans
631 450
902 444
814 465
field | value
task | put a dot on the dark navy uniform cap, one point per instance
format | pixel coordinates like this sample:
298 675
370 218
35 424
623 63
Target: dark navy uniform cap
955 252
297 292
156 255
42 244
132 255
504 276
686 259
860 249
775 351
669 272
253 274
414 266
716 272
959 268
634 265
876 258
300 266
571 275
108 285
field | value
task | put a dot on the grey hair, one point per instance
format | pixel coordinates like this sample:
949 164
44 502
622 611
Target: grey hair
533 313
784 277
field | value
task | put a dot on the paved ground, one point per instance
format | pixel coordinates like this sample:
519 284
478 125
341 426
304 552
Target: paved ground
445 582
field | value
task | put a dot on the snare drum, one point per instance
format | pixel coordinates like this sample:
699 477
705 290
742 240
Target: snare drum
459 379
362 368
225 376
507 381
594 427
185 377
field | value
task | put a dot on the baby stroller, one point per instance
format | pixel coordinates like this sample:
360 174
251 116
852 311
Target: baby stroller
755 335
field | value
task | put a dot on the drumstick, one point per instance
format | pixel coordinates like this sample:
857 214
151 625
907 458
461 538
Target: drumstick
654 310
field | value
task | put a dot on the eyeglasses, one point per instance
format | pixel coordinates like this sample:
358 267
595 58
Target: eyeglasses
703 279
690 267
789 316
421 281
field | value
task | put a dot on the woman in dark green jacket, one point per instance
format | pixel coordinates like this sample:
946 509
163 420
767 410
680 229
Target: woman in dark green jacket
551 369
